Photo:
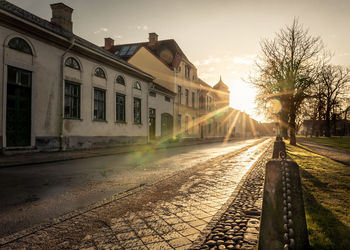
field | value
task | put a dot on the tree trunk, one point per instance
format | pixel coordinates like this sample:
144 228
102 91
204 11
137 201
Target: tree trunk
284 125
328 123
292 117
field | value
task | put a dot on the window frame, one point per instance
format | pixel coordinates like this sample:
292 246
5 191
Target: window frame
179 93
167 98
179 117
120 77
98 71
137 85
119 107
17 45
72 64
95 118
187 97
193 99
78 97
137 111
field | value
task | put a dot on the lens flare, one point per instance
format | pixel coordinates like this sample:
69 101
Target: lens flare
274 106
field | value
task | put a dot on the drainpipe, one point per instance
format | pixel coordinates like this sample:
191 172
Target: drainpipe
174 114
62 91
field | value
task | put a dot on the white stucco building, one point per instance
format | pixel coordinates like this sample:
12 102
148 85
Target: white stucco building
60 91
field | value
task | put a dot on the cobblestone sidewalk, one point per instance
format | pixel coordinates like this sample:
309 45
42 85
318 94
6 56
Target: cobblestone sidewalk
168 215
236 225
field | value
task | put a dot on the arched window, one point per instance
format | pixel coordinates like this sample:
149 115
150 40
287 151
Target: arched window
100 73
120 80
137 85
20 44
72 63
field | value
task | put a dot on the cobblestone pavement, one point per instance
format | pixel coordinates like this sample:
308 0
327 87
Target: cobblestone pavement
236 225
166 215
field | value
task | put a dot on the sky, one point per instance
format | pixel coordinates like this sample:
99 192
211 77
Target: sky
221 37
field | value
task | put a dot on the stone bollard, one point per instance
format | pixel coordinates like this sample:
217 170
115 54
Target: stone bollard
283 223
278 147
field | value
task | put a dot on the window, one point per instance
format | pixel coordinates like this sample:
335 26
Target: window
186 125
193 99
120 80
209 128
152 94
187 71
99 104
71 100
167 98
186 94
19 77
179 93
120 107
179 122
137 111
100 73
137 85
72 63
20 45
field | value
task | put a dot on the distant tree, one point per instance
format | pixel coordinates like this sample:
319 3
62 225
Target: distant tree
334 81
286 68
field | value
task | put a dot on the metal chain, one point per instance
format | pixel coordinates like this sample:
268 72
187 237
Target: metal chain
287 205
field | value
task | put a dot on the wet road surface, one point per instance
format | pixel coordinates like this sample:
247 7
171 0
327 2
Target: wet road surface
37 193
167 215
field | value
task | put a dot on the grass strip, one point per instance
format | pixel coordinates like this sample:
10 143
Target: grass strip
336 141
326 193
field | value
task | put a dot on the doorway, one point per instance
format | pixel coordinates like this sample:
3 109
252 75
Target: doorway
18 107
152 124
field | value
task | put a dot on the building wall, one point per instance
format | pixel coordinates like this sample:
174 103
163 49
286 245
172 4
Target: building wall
45 65
161 106
150 64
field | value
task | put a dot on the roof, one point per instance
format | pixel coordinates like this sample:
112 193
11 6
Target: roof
51 27
126 51
221 86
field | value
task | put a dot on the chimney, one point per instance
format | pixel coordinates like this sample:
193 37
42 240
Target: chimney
109 43
62 16
153 39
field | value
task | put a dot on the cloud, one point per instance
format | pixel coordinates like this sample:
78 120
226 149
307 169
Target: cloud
117 36
142 27
345 54
100 30
211 69
245 60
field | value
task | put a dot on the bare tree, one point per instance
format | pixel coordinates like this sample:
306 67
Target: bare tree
334 81
287 67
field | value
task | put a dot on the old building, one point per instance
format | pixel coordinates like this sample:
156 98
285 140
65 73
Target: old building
60 91
197 104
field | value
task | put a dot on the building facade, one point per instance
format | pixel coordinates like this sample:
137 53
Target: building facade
197 105
60 91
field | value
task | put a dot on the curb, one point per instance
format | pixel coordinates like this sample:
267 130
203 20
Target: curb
92 154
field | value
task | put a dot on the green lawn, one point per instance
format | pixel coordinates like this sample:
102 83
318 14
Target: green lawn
336 142
326 193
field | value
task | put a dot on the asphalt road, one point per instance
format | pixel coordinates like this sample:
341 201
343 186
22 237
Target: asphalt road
37 193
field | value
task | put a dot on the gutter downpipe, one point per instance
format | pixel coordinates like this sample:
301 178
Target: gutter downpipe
62 91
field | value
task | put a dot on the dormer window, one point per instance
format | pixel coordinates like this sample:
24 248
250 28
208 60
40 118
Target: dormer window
120 80
20 44
72 63
100 73
137 85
